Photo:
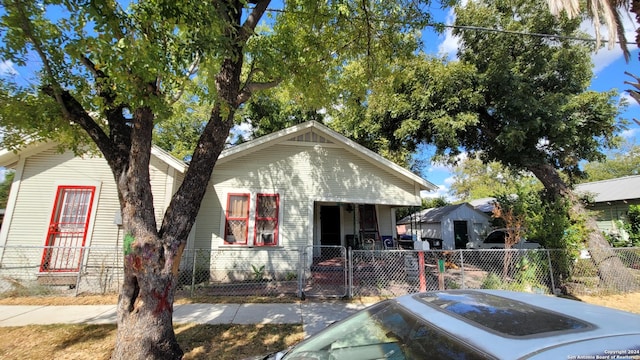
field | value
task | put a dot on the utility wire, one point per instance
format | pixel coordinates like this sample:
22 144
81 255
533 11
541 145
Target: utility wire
494 30
563 37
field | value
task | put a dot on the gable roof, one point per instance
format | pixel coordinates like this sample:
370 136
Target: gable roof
433 215
310 131
9 158
313 131
624 188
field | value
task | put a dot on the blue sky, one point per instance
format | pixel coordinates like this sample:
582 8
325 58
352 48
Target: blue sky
608 66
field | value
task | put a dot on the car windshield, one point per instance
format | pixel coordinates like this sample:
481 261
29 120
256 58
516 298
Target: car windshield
385 331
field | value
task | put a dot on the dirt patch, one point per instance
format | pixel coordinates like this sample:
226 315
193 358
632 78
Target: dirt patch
113 299
627 302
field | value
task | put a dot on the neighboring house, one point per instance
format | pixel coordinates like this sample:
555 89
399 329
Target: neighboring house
485 205
303 186
454 224
610 199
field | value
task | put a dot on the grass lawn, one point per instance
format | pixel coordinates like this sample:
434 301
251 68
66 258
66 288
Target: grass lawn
79 342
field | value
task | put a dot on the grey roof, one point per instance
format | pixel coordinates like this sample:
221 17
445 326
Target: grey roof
430 215
485 205
624 188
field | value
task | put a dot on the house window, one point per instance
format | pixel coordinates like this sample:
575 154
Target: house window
68 229
237 219
266 220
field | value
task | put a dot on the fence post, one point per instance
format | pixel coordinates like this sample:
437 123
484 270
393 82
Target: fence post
350 272
80 268
116 266
553 285
193 272
301 262
462 268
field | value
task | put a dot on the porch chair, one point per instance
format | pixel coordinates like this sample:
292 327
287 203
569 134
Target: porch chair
389 243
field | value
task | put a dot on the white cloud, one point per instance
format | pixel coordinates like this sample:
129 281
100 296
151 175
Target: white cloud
631 102
438 167
449 46
442 191
608 54
244 130
450 180
7 68
630 133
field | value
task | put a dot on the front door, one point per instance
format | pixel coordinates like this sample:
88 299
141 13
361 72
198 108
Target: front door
67 229
330 225
461 234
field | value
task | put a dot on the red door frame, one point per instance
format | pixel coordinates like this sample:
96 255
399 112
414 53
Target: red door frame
63 249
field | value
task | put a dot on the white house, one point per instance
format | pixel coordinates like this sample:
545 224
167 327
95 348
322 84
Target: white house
455 225
303 186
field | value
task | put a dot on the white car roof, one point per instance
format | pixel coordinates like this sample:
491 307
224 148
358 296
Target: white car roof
603 323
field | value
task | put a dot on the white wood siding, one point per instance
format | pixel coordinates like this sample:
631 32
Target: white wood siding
45 171
477 226
302 173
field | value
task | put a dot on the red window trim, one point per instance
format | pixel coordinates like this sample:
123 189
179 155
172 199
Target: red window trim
227 218
256 241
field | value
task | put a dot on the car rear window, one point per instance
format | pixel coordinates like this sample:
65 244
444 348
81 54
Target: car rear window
505 316
496 237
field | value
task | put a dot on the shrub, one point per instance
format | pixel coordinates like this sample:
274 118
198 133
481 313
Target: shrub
492 281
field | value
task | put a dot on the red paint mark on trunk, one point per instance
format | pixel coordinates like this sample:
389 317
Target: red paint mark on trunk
163 302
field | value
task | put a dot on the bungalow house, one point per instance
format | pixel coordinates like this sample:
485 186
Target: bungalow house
299 187
610 199
455 225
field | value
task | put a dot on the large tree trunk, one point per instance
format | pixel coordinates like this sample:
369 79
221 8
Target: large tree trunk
151 256
145 305
612 272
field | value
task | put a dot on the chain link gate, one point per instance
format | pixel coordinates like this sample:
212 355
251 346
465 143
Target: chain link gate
324 271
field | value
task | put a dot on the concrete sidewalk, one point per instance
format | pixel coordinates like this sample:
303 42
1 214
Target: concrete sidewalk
314 316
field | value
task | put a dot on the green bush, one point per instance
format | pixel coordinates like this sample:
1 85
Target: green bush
492 281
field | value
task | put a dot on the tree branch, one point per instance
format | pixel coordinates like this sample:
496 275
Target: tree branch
120 132
78 115
252 20
252 87
193 69
26 26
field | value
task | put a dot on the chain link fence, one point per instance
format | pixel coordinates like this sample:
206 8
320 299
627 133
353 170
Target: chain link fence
60 271
327 271
227 272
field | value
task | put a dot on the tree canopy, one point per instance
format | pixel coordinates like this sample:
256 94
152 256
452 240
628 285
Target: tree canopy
5 186
474 179
519 100
624 161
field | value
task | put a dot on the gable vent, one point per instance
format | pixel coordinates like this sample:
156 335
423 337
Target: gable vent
311 137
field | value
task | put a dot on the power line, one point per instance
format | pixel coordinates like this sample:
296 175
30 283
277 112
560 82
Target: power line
494 30
555 36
